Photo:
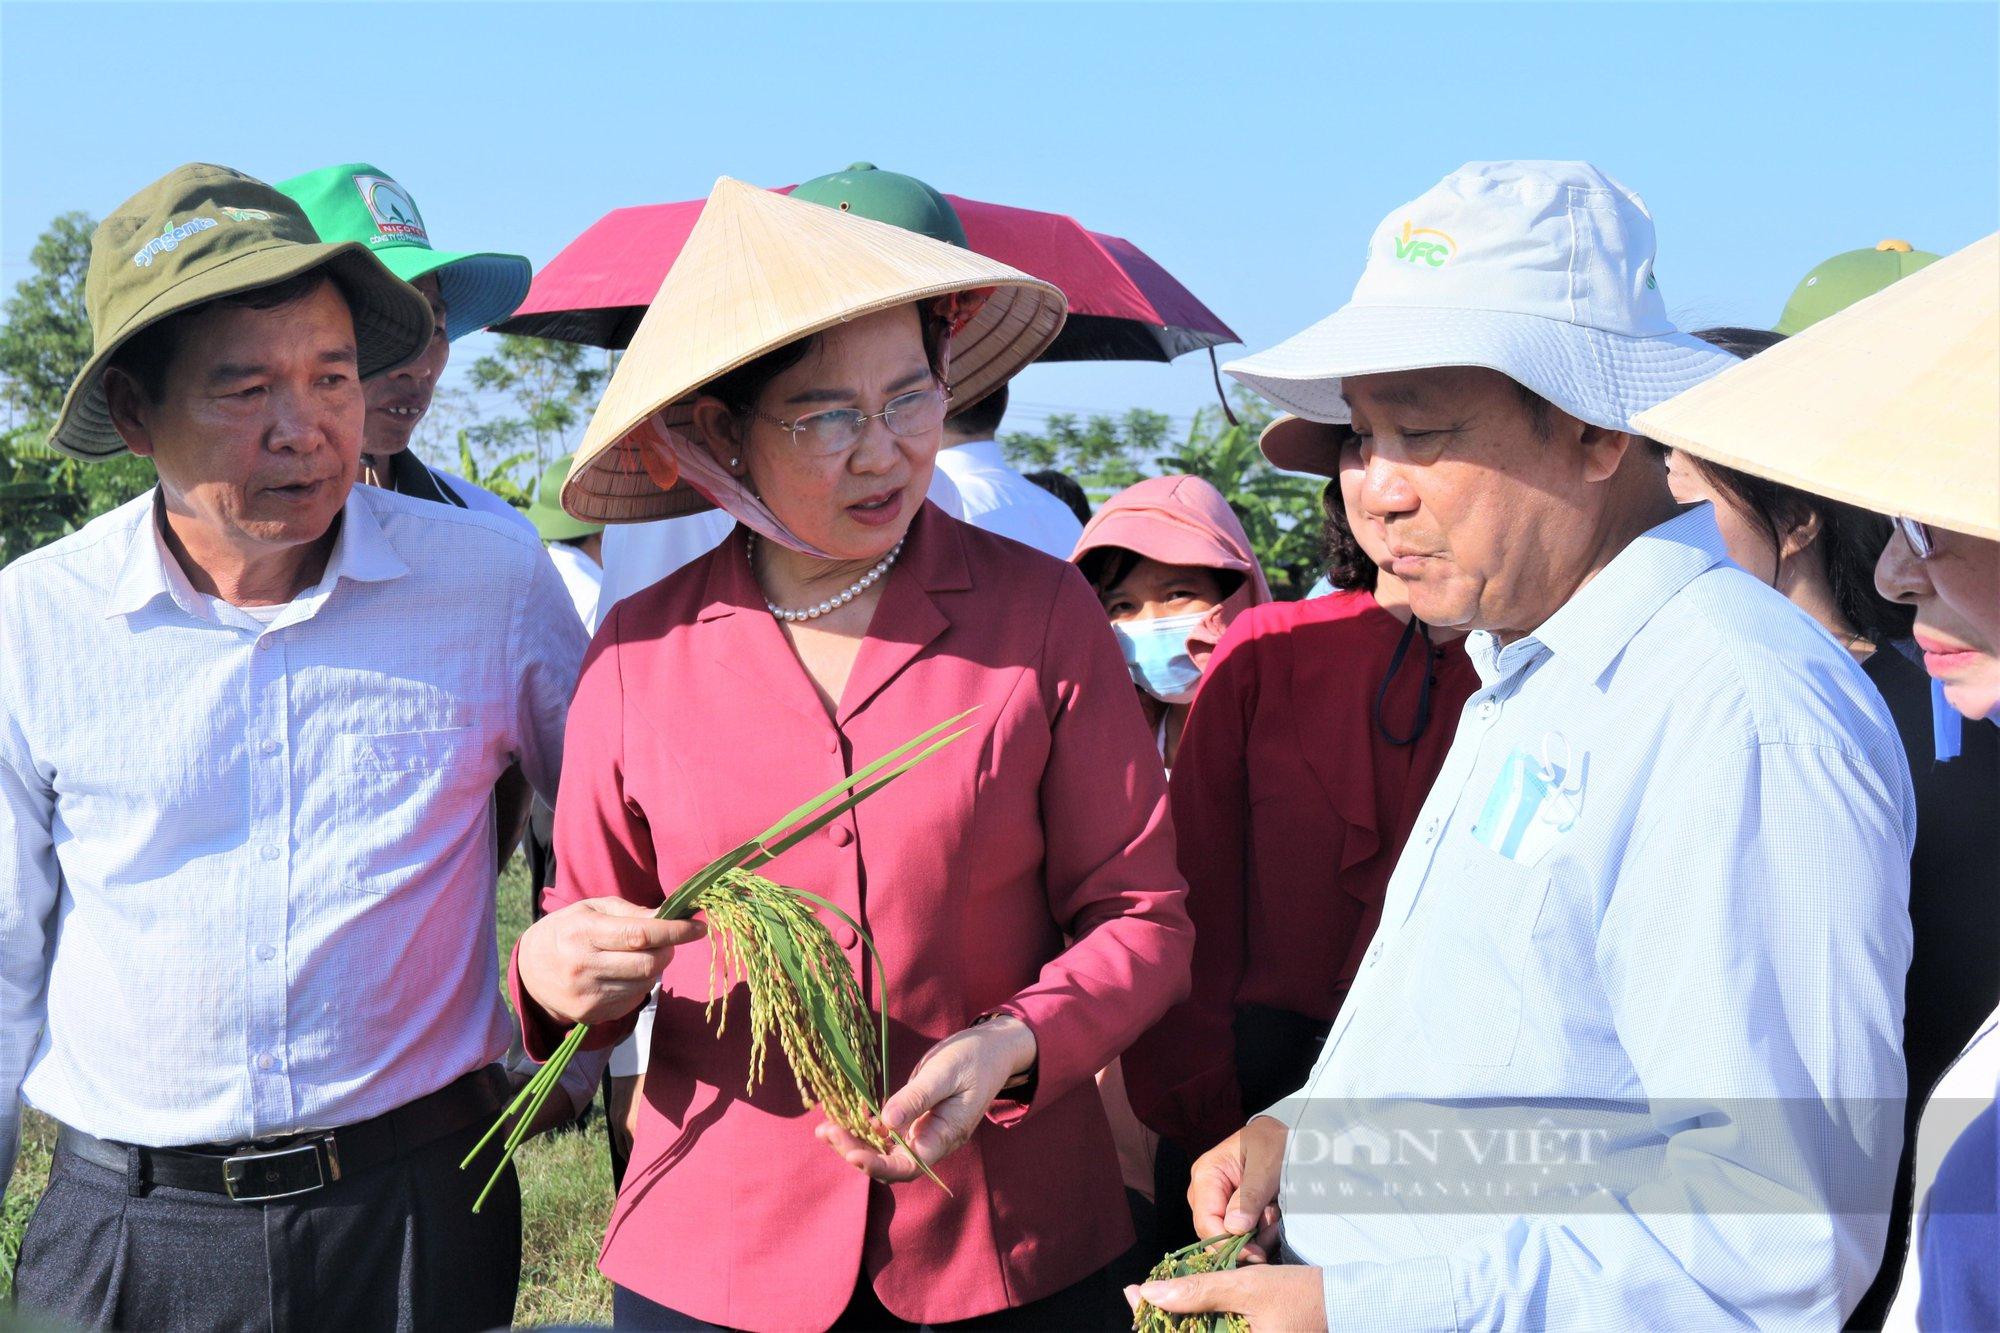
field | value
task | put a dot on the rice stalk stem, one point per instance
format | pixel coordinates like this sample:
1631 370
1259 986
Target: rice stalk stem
800 985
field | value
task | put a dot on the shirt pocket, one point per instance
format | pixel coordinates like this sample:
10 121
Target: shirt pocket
1467 992
405 801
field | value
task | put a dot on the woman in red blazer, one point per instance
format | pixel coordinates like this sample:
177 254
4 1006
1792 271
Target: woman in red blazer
846 615
1317 733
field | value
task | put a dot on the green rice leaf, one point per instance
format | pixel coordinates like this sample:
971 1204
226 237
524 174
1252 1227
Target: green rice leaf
819 821
800 984
861 776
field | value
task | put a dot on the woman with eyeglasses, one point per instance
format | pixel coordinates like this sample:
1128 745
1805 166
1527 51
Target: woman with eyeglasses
1318 730
1891 404
1822 554
795 371
1951 1279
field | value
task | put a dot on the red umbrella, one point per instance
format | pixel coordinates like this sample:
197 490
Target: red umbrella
1122 305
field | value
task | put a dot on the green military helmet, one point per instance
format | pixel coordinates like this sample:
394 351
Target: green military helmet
546 513
887 196
1847 278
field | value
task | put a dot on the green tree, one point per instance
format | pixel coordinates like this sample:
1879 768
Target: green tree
1105 454
43 343
1279 511
554 384
497 477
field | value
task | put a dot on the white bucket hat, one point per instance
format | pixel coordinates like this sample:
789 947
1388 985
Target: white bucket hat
1542 271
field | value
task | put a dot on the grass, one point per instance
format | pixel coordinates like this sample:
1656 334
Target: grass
565 1189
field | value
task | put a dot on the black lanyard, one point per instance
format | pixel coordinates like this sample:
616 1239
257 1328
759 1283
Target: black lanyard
1410 631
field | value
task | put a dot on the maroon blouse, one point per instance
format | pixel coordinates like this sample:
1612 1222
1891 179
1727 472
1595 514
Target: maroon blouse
1291 809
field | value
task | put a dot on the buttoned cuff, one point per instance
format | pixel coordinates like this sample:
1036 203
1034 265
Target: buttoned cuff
1412 1296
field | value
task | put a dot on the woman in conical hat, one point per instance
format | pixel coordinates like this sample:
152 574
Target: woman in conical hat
1894 404
795 371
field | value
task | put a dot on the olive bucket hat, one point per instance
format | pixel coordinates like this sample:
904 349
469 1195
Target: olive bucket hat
358 202
202 232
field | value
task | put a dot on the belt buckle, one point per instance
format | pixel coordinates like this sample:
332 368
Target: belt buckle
249 1176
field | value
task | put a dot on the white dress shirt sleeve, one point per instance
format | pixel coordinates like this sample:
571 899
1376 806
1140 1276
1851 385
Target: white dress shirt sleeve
27 918
549 647
1753 957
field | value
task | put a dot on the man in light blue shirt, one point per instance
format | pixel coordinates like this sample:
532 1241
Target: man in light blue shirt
1625 1050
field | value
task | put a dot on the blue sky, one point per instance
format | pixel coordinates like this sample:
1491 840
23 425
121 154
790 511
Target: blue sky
1249 148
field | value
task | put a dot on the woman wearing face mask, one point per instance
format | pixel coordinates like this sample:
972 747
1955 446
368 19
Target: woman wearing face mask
1172 568
1913 370
1319 729
795 371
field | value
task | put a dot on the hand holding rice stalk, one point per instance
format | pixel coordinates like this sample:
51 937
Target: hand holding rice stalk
1217 1254
801 987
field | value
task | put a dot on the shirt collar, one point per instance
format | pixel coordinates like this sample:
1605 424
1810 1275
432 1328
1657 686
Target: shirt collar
1594 625
150 570
986 453
361 552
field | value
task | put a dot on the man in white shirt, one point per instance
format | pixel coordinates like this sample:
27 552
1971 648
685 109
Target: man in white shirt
995 496
1625 1051
360 202
250 724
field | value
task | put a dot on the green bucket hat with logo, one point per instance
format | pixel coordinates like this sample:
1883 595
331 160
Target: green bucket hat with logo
546 513
358 202
886 196
1847 278
201 232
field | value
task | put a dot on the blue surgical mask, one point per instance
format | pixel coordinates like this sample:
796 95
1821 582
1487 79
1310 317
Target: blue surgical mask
1156 654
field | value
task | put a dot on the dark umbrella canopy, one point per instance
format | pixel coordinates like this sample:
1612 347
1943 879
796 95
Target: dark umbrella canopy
1123 306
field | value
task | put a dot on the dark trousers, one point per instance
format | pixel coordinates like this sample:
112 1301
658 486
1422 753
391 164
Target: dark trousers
396 1247
539 847
1092 1304
1276 1050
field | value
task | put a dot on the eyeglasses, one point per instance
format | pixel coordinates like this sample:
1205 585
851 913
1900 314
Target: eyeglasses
1918 535
820 434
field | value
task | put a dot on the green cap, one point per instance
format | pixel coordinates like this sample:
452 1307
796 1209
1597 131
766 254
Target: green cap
885 196
1847 278
357 202
546 513
201 232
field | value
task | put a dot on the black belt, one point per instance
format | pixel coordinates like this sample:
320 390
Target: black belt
268 1169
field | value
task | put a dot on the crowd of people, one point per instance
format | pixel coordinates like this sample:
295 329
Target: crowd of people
1556 921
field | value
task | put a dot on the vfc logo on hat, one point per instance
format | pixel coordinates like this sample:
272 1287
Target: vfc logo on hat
395 213
1423 245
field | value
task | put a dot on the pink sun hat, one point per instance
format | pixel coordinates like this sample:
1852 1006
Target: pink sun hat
1181 521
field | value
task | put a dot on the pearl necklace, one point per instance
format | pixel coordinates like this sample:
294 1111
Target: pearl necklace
854 589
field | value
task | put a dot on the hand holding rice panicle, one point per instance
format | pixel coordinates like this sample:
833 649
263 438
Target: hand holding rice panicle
770 938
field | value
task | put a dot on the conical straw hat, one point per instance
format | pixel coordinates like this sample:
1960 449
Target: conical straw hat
760 271
1893 404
